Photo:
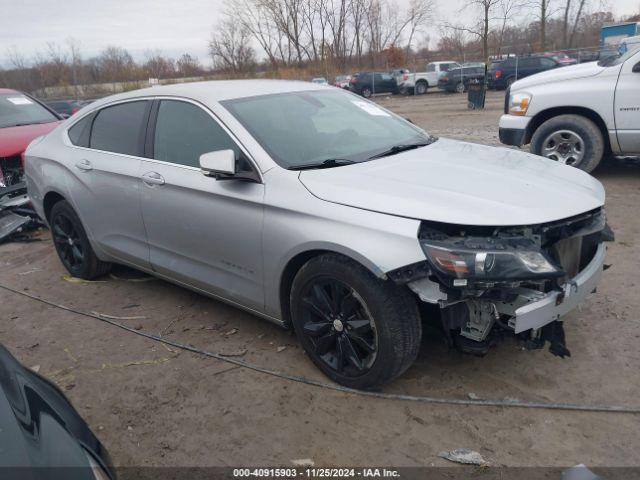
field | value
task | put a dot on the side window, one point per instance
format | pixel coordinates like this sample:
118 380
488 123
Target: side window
547 63
444 67
386 77
185 131
529 63
431 67
119 128
79 133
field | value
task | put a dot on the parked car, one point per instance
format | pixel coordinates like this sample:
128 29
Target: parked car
22 118
342 81
457 79
340 231
41 434
502 75
370 83
577 114
65 108
398 73
320 81
562 58
418 83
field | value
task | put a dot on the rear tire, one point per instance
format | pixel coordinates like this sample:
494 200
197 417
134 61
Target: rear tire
574 128
72 244
421 88
362 332
366 92
460 87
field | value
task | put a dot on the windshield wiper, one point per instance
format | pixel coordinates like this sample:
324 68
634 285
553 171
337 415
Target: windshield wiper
328 163
401 148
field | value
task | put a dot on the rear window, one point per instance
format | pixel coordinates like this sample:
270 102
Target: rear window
17 110
79 133
118 129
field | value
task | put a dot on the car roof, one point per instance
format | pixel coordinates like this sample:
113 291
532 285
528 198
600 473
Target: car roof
215 91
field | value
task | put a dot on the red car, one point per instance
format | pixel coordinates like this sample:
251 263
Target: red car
22 118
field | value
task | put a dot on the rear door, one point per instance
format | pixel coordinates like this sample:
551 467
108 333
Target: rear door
105 163
627 106
388 83
203 232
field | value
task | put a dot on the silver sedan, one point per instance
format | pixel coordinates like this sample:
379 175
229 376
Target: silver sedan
321 211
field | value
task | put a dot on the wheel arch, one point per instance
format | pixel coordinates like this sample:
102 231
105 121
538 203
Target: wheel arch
549 113
297 261
50 199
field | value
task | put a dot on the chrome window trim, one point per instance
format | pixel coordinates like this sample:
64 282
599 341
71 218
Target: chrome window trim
67 141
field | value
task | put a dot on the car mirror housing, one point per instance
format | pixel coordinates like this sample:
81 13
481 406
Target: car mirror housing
218 164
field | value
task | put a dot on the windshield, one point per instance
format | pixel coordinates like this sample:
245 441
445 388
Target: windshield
613 59
17 109
302 128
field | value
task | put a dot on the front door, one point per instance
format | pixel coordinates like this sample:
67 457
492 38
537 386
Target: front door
107 174
204 232
627 106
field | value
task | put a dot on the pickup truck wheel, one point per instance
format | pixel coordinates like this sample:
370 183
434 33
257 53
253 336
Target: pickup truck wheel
421 88
366 92
571 139
72 244
359 330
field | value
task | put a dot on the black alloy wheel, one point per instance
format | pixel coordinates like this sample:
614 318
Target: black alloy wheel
72 244
360 330
339 326
68 243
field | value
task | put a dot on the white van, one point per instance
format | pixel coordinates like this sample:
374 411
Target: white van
577 114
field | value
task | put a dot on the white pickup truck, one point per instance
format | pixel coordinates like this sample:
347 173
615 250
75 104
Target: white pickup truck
418 83
577 114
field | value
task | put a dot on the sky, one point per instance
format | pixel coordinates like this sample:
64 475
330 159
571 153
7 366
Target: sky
171 26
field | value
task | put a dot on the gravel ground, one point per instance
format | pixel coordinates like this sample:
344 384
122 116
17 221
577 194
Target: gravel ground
155 405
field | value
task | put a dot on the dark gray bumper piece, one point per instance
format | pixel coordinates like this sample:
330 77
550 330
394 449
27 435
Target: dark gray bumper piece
511 136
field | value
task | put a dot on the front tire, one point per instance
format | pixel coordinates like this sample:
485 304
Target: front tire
72 244
571 139
366 92
362 332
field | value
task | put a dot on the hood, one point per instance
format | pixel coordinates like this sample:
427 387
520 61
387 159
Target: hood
14 140
39 427
461 183
559 74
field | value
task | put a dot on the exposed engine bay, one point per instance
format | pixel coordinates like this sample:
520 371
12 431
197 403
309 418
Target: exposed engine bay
491 281
11 171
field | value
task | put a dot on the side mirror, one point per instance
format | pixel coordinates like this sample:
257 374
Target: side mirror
636 68
218 164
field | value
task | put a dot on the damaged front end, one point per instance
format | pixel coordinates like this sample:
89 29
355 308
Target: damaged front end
520 280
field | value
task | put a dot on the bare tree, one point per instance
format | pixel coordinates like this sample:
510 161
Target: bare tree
486 10
418 14
188 66
230 48
157 65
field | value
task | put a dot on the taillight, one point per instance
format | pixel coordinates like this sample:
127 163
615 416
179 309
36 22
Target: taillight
74 110
405 77
353 80
445 79
498 73
22 160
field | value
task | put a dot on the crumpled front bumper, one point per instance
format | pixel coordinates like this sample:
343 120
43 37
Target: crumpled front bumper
535 309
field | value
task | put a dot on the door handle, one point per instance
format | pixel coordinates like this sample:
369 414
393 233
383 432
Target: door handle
153 178
84 165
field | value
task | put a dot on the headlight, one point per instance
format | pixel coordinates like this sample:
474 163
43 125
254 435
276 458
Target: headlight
503 260
519 103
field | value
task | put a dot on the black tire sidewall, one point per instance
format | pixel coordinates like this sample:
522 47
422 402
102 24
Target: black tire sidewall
86 268
366 92
419 86
371 290
585 128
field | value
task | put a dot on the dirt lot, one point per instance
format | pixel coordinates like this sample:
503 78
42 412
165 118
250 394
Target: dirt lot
152 405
